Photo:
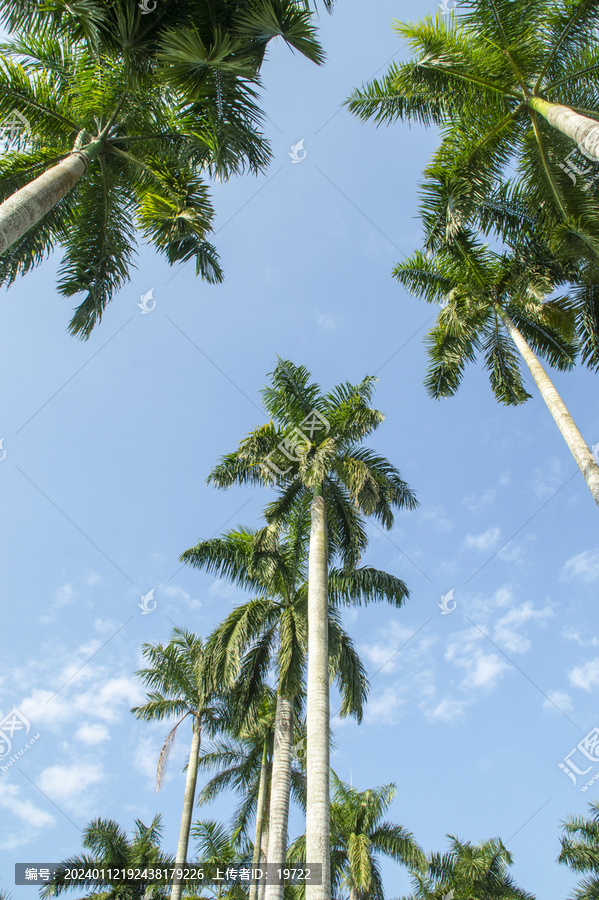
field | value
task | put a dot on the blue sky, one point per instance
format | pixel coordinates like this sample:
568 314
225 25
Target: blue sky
108 444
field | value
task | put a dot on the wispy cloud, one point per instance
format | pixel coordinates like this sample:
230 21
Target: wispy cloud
584 566
484 542
585 676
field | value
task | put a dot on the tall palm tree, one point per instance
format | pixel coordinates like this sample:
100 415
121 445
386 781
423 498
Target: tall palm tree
494 301
127 118
180 688
473 871
580 851
273 628
219 848
318 439
110 847
358 835
244 763
510 83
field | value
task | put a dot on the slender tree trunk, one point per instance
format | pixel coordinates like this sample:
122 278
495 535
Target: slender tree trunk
260 807
263 859
25 208
188 799
582 130
318 841
557 408
280 786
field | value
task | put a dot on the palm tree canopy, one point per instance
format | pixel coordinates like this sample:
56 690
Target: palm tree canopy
314 442
580 851
477 871
358 835
475 285
159 103
477 74
110 847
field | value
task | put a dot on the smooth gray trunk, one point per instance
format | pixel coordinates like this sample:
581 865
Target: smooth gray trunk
25 208
260 808
582 130
318 842
557 408
263 859
188 800
280 786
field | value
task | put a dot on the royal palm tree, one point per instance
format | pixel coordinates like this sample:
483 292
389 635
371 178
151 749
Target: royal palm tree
473 871
358 835
580 851
179 687
110 848
219 848
318 440
497 304
273 629
127 118
510 83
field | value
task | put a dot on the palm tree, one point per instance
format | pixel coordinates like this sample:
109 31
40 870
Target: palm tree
274 625
580 851
244 763
489 299
220 849
511 84
110 848
177 677
144 110
318 439
358 835
473 871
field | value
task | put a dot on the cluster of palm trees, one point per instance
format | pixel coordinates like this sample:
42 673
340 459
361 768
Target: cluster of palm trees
512 86
129 117
256 691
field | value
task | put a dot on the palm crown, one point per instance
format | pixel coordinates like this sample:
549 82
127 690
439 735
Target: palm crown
156 107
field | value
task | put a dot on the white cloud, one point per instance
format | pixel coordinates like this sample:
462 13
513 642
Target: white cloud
92 733
448 710
383 708
584 565
106 698
326 322
69 784
93 579
585 676
572 635
385 654
438 518
546 481
173 592
23 809
474 503
485 541
515 551
64 595
504 630
482 669
558 699
146 755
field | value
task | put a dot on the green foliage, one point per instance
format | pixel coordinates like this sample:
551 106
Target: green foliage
580 851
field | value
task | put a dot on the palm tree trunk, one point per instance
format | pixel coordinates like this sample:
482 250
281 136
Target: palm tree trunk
263 859
582 130
260 806
557 408
318 841
27 206
280 786
188 800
